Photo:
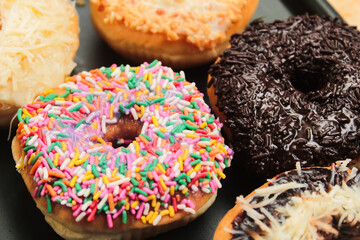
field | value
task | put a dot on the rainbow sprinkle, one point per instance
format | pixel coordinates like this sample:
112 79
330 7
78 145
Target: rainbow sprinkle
179 151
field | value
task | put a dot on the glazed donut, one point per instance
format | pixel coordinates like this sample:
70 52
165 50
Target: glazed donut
180 33
71 150
311 203
38 42
289 91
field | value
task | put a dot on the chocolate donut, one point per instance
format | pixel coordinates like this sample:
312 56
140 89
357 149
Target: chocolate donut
290 92
311 203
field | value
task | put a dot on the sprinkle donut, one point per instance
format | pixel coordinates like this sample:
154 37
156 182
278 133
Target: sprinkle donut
71 150
290 91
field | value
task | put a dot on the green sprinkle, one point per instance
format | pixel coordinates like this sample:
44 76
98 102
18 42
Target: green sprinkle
134 182
147 84
29 147
216 164
121 108
90 98
169 123
107 71
138 190
158 100
195 105
158 152
130 104
49 209
180 79
26 119
92 188
211 119
160 134
85 164
172 139
19 113
61 184
208 149
94 170
124 218
58 200
80 122
53 115
36 157
62 135
184 117
194 155
75 108
146 136
143 152
205 139
141 103
77 187
39 190
194 162
122 68
152 64
51 164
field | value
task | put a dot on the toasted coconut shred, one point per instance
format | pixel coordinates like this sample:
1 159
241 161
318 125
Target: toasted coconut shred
306 216
37 46
201 22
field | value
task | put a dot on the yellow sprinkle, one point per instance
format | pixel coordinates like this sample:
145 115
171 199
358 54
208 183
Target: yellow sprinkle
212 142
73 181
162 184
75 100
149 216
172 190
150 78
91 90
111 115
189 135
152 219
94 125
145 77
137 147
59 99
88 177
163 130
39 110
171 211
158 89
155 121
127 206
97 195
142 108
108 96
157 206
137 69
164 212
76 157
82 160
197 167
63 146
47 92
201 151
105 179
143 219
186 152
153 202
100 140
114 172
134 204
161 168
181 164
31 158
113 68
151 197
137 169
73 202
185 190
25 111
221 174
190 171
56 159
204 124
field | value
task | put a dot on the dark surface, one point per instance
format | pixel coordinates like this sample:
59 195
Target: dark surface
19 217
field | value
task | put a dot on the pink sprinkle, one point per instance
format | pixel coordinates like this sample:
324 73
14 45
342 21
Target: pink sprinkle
122 194
119 212
156 177
148 191
102 195
142 197
109 220
43 161
170 183
132 196
190 203
73 196
43 190
133 211
140 211
35 192
77 211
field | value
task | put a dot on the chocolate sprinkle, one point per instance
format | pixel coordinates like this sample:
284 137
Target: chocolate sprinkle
290 92
314 177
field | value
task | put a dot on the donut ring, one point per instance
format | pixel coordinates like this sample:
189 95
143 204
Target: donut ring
38 42
179 33
321 201
289 91
165 177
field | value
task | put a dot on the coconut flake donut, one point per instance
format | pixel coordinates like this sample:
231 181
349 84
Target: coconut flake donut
310 203
38 42
290 91
70 150
180 33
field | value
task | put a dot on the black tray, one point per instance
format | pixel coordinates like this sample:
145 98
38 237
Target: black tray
19 217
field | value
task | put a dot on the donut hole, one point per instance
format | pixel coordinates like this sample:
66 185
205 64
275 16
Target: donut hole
306 81
122 133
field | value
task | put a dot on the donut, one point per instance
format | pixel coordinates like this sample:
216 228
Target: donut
311 203
38 42
289 91
180 33
120 152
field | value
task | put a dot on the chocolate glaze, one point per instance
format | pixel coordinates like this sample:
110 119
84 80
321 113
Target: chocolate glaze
290 92
314 177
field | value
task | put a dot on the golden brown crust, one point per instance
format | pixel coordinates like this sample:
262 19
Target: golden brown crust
139 46
63 222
